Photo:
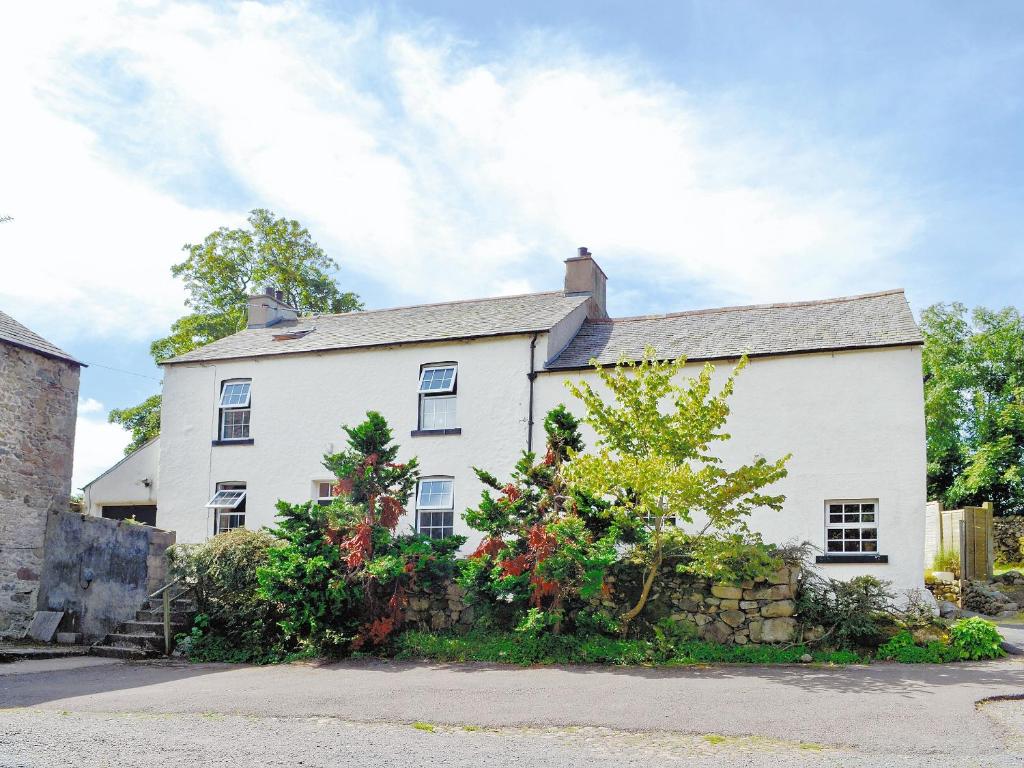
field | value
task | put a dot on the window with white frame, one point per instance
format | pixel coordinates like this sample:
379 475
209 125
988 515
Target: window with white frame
435 507
228 505
235 401
851 526
437 396
325 492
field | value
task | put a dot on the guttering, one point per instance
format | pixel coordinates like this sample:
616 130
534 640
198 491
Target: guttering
532 376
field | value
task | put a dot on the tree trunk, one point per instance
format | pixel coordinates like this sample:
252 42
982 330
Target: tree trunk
633 612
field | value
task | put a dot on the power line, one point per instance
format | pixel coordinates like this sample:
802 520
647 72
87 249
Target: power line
121 370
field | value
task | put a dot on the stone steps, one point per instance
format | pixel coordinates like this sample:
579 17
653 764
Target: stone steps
126 640
177 617
117 652
146 627
143 637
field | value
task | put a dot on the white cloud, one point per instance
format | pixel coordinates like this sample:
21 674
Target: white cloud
90 405
98 446
413 157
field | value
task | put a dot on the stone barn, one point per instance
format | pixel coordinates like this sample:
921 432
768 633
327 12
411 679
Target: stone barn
38 408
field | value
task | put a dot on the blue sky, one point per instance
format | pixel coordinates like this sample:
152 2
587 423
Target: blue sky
708 153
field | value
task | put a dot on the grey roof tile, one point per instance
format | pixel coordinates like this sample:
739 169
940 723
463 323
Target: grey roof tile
496 316
13 332
870 320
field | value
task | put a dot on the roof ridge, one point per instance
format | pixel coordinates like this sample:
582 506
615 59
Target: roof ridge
746 307
364 312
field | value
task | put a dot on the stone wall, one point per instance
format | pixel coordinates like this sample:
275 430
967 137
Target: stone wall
38 406
761 611
99 571
1007 532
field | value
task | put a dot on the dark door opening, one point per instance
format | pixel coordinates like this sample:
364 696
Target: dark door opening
143 513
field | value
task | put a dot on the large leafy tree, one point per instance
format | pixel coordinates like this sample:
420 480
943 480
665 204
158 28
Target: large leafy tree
974 403
655 457
220 274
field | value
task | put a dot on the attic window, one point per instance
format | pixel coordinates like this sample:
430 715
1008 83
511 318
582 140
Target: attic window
235 394
293 334
437 379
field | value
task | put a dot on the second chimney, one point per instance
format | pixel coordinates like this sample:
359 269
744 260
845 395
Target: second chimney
269 309
583 277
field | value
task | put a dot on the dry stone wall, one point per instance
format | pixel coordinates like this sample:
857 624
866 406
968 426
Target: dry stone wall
1007 533
38 406
761 611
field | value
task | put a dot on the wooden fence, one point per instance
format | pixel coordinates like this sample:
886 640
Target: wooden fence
967 531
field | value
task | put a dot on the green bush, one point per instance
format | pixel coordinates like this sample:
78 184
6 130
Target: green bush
975 638
853 613
902 648
234 622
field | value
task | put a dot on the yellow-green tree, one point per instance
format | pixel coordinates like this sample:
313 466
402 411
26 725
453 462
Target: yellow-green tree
655 458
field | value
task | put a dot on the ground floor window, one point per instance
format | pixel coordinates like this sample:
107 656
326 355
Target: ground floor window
435 507
325 491
851 526
228 505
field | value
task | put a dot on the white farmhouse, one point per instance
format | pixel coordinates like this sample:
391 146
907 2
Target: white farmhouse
247 419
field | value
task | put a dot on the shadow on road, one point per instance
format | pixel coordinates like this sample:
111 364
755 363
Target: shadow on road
27 690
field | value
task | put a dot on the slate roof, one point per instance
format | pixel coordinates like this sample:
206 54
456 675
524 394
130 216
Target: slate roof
13 332
498 316
870 320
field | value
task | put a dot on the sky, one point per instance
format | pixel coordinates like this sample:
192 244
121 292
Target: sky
708 153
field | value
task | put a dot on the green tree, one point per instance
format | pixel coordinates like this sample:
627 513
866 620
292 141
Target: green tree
974 404
142 420
220 274
655 457
546 545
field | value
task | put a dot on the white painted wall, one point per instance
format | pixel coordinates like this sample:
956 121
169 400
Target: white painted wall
123 482
854 422
299 404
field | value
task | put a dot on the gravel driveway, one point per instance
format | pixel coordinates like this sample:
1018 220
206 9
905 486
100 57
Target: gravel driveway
363 713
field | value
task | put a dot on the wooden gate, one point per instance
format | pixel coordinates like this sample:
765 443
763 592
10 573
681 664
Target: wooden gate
967 531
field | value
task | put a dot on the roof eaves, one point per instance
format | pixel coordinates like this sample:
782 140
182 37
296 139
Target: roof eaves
736 356
121 461
376 345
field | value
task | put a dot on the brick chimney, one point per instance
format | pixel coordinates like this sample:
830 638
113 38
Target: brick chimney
268 308
583 277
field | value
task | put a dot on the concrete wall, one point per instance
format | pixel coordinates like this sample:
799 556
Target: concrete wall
854 422
126 561
124 482
38 407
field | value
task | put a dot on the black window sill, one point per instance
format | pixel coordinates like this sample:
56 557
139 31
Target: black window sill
436 432
248 441
851 559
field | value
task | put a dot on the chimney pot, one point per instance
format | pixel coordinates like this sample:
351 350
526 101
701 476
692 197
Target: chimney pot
583 276
279 295
269 290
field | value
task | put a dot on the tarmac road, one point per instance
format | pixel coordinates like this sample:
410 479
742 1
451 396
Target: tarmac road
361 713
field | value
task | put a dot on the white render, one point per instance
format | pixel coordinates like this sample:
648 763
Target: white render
126 481
854 424
848 406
